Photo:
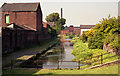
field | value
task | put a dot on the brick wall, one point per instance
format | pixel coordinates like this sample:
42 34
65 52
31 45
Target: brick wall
21 18
15 38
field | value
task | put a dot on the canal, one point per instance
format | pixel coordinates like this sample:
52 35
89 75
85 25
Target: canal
61 56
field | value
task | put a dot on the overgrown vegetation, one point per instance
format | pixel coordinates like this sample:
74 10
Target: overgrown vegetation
91 42
82 52
105 32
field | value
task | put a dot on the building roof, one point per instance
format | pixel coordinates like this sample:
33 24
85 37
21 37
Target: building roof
20 26
86 26
27 27
20 6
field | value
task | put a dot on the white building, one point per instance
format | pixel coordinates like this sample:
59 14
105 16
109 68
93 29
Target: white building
85 28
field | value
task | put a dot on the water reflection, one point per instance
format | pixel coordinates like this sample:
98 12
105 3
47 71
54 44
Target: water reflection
61 53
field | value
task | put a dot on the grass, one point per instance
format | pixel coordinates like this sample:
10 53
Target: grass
112 69
102 70
82 52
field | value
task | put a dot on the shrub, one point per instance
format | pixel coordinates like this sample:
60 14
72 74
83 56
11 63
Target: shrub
84 37
96 41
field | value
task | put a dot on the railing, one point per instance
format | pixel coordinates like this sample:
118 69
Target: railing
39 63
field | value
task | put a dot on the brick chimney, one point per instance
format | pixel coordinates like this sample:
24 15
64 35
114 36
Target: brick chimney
61 13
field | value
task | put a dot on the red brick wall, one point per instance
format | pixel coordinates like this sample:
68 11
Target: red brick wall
14 39
77 31
71 28
39 19
21 18
64 32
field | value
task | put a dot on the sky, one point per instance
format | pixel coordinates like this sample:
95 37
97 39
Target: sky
76 12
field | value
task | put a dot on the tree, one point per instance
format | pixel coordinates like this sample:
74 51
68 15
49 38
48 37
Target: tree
96 41
89 33
108 25
52 31
53 17
84 37
106 32
58 22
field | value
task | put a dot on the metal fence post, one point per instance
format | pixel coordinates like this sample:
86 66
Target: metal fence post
79 65
11 64
101 58
58 64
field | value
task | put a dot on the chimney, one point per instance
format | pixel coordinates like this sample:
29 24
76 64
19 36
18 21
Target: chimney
61 13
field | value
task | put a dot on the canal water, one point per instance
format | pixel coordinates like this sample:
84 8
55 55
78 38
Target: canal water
62 57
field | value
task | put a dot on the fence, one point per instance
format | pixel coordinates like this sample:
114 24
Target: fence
39 63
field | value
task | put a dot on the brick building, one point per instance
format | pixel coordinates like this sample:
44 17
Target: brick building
76 30
26 15
22 26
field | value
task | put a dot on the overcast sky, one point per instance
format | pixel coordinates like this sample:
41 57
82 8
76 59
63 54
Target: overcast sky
76 12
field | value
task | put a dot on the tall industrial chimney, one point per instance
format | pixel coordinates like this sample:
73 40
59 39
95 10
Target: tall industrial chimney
61 13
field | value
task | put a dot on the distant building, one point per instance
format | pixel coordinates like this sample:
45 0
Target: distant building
76 30
85 28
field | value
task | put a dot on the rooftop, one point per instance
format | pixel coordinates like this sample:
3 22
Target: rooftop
20 6
86 26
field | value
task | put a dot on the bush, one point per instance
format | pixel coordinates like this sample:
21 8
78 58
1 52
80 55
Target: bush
84 37
113 40
82 52
96 41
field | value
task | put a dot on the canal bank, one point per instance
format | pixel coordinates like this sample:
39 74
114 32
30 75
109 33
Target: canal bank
25 53
59 56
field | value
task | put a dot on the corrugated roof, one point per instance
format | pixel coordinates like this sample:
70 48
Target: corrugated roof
86 26
20 6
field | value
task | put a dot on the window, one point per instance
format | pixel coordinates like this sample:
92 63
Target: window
7 18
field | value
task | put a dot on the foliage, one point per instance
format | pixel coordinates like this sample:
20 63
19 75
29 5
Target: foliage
109 29
84 37
96 41
53 17
59 22
89 33
75 39
108 25
113 40
52 31
71 36
82 52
